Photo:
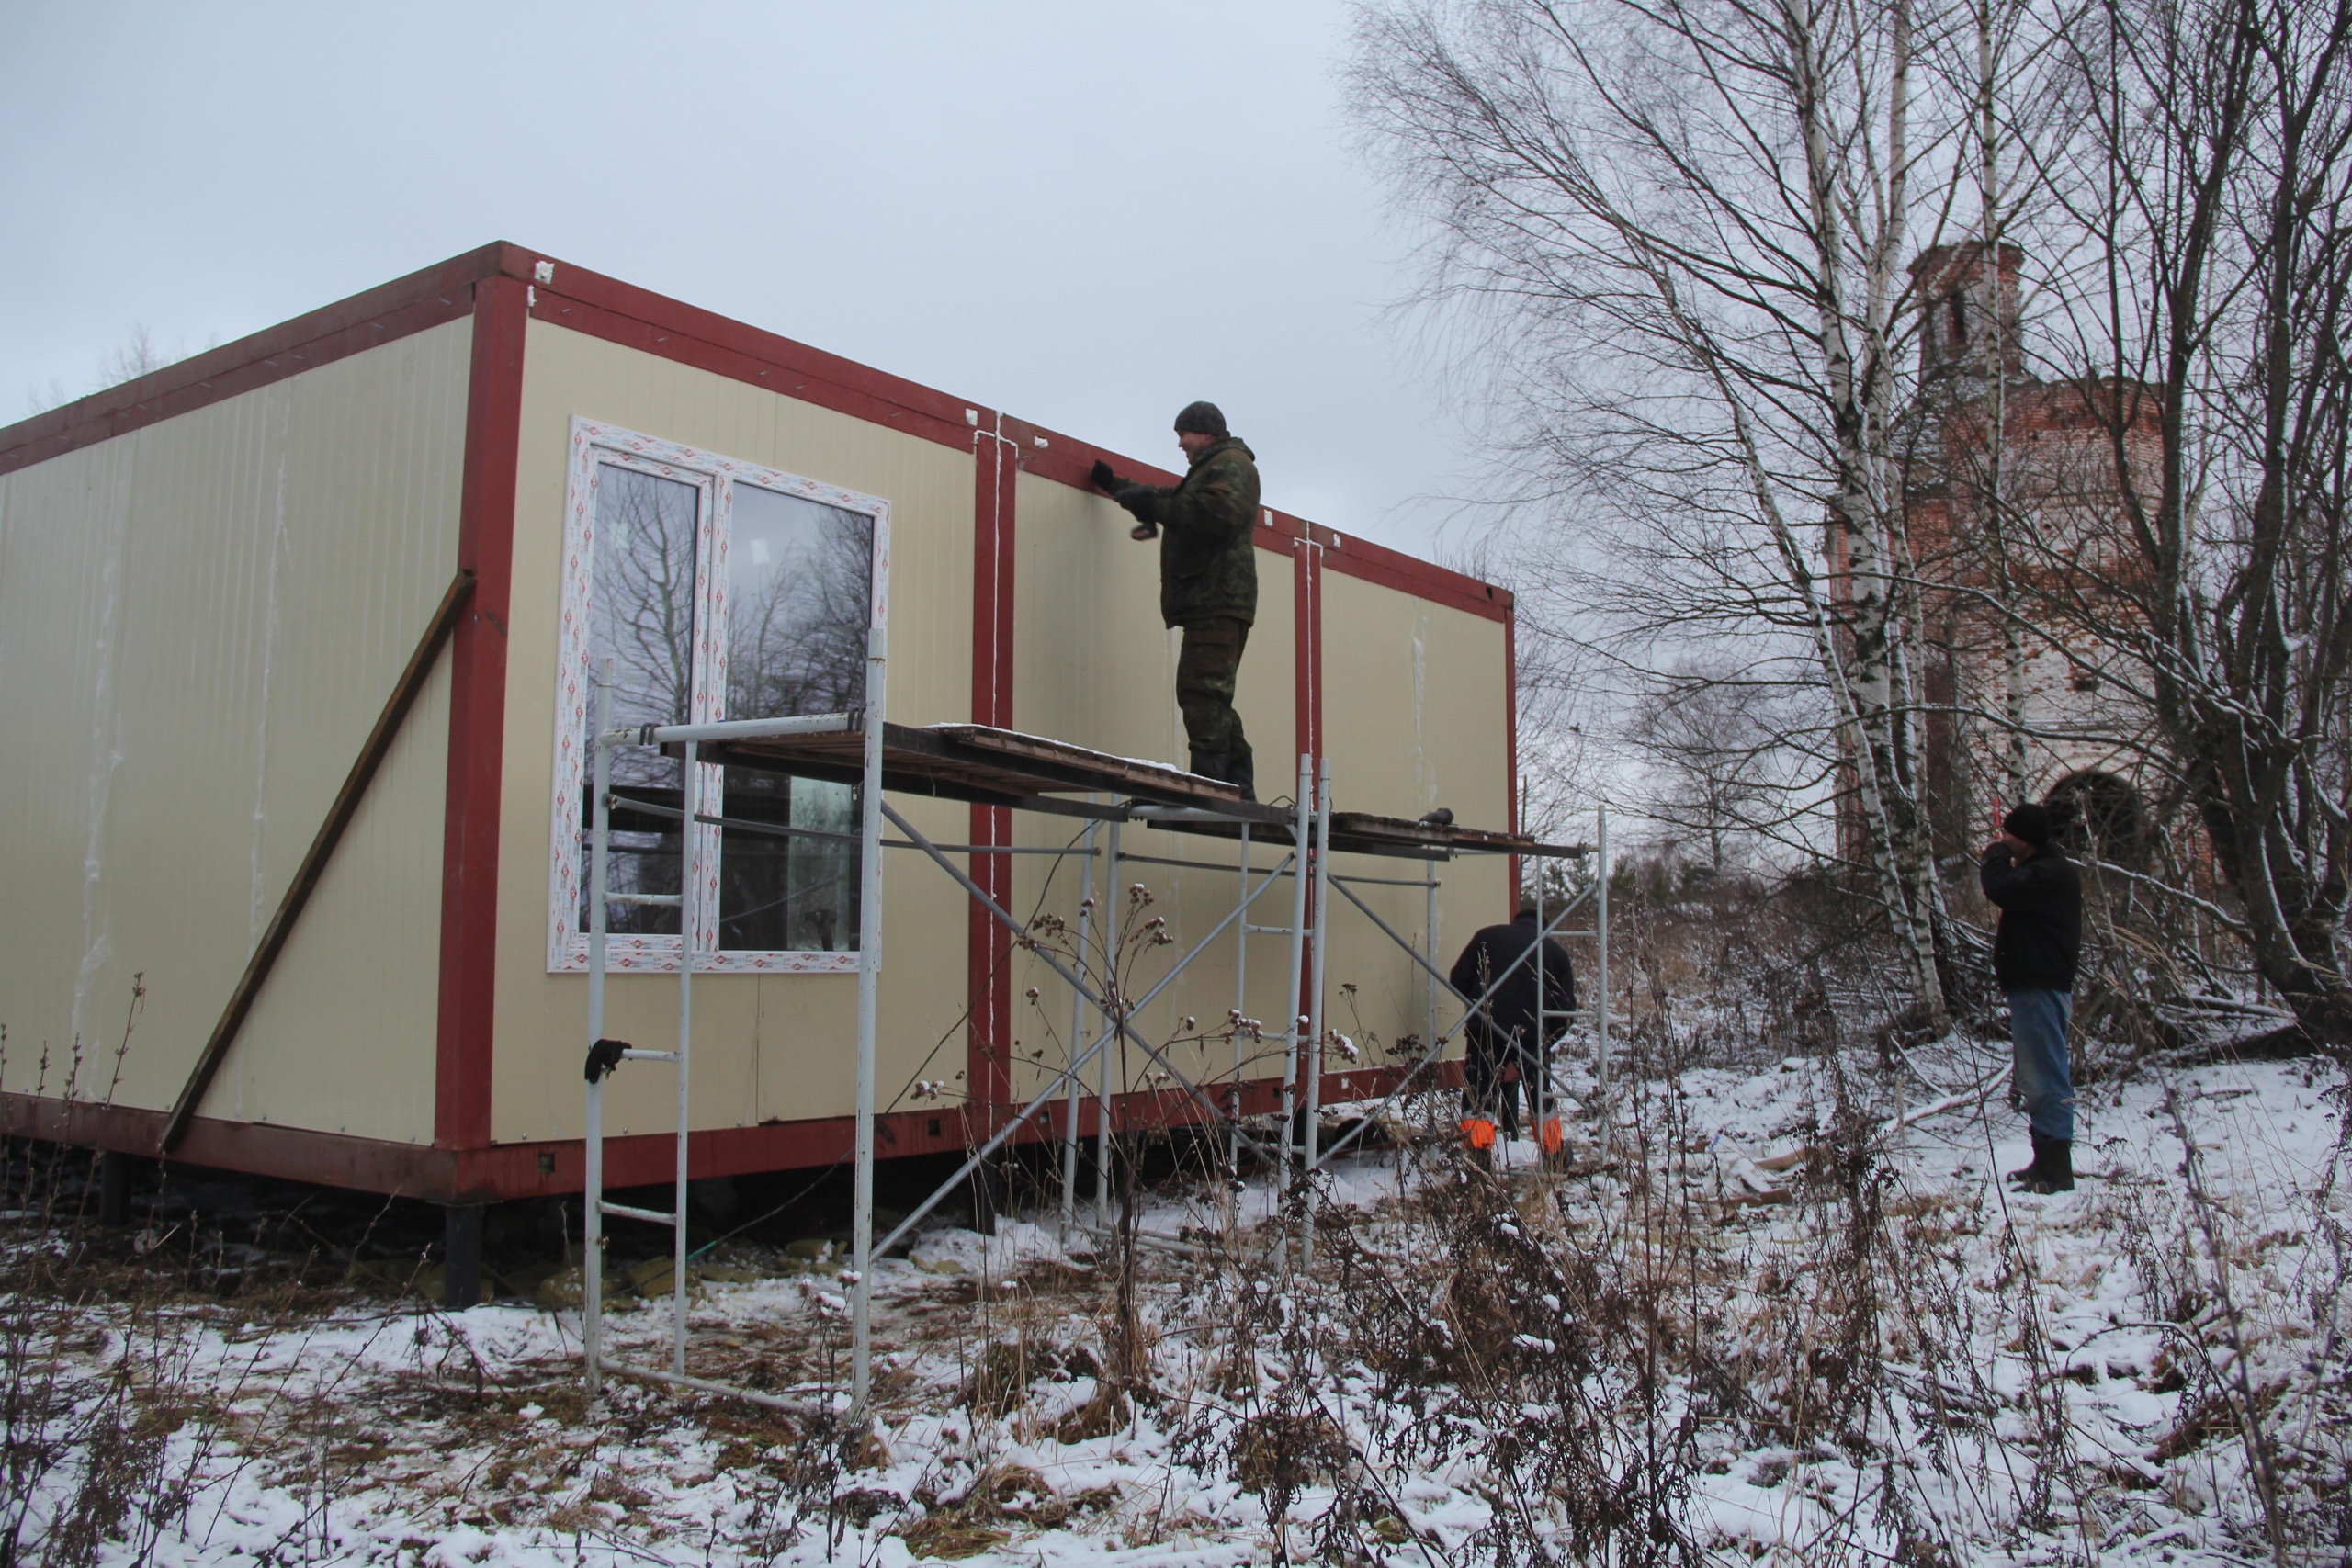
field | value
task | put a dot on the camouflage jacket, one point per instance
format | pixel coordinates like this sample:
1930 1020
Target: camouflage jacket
1208 565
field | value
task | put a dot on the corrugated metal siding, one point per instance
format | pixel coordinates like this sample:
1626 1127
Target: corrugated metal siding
1415 716
767 1046
198 624
1093 664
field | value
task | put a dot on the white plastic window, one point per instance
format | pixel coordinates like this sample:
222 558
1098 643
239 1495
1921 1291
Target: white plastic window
712 589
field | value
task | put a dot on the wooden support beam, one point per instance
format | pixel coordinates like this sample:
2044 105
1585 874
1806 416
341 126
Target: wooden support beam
314 862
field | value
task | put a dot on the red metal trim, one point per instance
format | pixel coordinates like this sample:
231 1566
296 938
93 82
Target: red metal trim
406 305
463 1041
1358 558
988 1034
636 317
260 1148
1067 460
501 1172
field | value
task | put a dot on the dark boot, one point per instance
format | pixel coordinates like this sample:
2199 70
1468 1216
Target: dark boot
1242 769
2056 1158
1206 764
2027 1174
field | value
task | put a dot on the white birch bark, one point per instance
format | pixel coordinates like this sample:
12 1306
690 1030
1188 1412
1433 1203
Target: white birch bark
1886 764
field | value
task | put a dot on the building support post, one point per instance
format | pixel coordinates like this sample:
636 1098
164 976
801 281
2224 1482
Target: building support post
114 1188
460 1256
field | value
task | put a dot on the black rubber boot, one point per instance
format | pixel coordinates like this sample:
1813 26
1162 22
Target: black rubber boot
2057 1159
1242 769
2027 1174
1207 765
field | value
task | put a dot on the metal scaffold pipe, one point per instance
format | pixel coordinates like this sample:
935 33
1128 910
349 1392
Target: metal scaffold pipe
592 1218
1114 899
1300 834
869 976
1077 1041
1316 963
690 853
1241 1011
1429 935
1600 977
1322 880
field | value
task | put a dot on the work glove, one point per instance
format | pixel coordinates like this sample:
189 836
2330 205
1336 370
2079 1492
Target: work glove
1101 478
1134 498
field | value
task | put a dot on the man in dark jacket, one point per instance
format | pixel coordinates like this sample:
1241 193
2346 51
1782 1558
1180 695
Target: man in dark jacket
1503 1036
1208 581
2035 947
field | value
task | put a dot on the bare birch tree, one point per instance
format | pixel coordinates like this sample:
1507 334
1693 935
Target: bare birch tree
1677 230
2210 206
1717 758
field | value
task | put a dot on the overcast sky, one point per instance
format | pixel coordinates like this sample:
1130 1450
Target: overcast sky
1086 215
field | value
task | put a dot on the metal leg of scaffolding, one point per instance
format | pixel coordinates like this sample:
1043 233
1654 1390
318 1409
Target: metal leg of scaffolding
1600 977
1301 832
690 877
1114 900
1241 1011
1077 1043
592 1216
1429 929
869 976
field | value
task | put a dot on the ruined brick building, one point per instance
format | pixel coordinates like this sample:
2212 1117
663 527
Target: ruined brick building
2036 522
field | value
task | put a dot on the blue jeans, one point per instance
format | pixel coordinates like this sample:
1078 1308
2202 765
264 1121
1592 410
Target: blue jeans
2038 1037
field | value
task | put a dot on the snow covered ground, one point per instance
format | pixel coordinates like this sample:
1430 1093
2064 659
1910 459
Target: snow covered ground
1693 1350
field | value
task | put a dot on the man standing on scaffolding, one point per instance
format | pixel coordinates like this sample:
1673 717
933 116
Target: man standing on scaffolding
1509 1048
1208 581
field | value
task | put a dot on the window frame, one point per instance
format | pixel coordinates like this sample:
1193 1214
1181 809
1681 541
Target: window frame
596 445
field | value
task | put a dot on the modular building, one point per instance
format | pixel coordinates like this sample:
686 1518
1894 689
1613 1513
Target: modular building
213 577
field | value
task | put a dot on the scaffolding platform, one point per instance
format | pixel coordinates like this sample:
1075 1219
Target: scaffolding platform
988 766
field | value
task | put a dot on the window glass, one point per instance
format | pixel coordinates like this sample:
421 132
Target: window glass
799 582
799 585
641 612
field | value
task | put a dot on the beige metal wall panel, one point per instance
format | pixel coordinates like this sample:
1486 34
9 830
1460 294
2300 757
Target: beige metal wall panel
1415 716
767 1047
1093 665
201 621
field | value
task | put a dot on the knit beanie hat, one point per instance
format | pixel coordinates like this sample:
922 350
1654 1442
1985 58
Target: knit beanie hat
1201 419
2030 822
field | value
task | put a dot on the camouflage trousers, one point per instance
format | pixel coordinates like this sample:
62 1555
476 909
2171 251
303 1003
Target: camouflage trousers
1205 672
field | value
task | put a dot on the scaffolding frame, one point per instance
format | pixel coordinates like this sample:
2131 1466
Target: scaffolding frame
1102 1019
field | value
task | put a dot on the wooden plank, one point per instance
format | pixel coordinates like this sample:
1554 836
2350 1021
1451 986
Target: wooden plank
314 862
1118 771
980 762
